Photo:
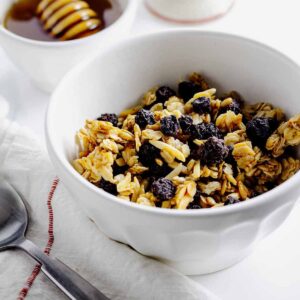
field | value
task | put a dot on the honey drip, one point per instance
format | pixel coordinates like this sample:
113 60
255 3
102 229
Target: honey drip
68 19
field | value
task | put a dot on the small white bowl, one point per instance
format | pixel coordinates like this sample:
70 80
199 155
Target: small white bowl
192 241
47 62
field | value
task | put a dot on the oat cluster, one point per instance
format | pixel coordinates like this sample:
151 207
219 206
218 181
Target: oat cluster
189 149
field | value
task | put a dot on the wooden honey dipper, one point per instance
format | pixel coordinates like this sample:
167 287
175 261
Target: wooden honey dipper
68 19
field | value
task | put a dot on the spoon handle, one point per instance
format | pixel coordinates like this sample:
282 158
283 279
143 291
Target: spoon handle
71 283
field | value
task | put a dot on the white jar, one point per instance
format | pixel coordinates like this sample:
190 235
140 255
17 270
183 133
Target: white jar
189 11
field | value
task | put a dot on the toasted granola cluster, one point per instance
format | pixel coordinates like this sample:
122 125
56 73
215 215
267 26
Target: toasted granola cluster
189 150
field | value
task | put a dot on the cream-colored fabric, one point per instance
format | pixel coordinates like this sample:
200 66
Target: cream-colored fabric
114 268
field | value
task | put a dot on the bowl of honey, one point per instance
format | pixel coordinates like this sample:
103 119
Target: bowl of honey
46 38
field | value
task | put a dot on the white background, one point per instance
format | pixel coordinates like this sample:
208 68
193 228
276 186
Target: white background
272 271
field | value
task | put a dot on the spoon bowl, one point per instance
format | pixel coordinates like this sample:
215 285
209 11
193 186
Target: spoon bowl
13 216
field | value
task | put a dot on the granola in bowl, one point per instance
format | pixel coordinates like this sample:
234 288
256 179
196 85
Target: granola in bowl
189 149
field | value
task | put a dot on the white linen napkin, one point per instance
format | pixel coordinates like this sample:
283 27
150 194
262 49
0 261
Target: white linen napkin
114 268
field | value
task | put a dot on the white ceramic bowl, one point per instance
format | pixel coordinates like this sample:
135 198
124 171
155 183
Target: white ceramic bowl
192 241
47 62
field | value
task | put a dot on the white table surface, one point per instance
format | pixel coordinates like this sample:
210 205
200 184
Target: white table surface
272 271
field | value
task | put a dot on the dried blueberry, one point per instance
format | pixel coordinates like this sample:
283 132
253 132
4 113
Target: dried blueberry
233 106
185 123
231 200
214 151
204 131
202 105
230 159
169 125
163 189
119 169
187 90
159 171
259 129
144 117
147 154
164 93
197 196
270 185
112 118
108 187
196 151
193 205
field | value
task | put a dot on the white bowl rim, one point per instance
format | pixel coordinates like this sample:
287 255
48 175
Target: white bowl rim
48 44
281 189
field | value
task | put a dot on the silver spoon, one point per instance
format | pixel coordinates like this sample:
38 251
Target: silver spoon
13 224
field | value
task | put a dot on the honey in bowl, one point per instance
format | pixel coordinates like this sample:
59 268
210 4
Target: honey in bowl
59 20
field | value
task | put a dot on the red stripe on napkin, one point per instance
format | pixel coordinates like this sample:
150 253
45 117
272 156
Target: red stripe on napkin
29 282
